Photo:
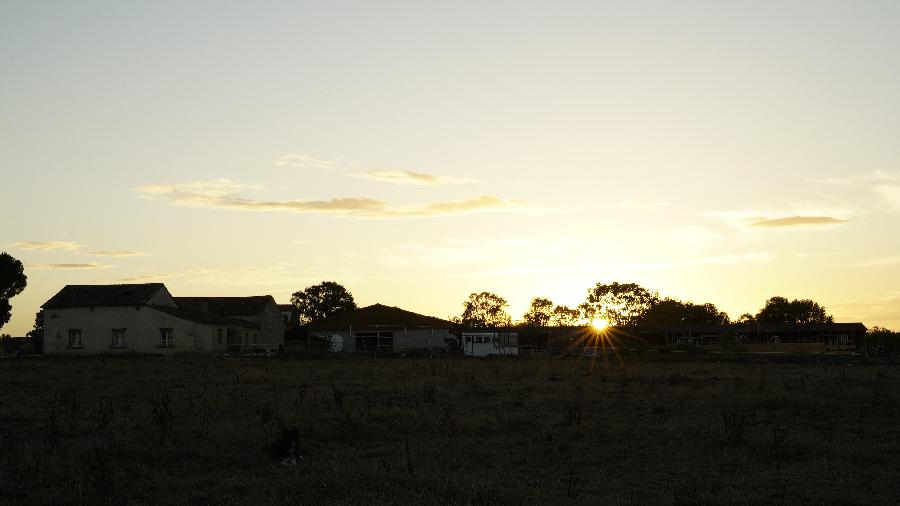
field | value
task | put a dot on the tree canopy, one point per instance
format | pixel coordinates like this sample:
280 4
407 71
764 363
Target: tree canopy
618 303
797 311
12 282
674 312
484 309
539 313
321 301
565 316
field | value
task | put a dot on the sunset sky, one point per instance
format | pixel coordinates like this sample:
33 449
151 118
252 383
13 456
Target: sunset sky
416 152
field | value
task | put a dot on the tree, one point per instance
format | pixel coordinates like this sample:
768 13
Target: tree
797 311
36 335
321 301
618 303
564 316
746 318
12 282
674 312
540 312
484 309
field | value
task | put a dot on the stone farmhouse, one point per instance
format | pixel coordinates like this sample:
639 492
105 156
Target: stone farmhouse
146 318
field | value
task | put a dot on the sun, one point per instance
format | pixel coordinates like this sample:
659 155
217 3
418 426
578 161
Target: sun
599 323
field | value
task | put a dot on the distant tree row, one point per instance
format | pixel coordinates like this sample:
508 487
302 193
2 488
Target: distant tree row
622 304
629 304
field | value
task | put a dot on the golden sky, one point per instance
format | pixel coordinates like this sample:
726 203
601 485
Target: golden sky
416 152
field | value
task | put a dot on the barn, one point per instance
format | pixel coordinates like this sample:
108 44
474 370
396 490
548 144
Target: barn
373 329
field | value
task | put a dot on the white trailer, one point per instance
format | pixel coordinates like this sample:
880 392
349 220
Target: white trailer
485 344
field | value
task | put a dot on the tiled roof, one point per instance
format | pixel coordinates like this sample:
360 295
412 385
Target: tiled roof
204 317
103 295
229 306
377 315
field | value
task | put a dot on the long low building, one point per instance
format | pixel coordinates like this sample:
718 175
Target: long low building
145 318
373 329
805 338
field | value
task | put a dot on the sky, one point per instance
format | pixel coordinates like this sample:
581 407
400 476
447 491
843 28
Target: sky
417 152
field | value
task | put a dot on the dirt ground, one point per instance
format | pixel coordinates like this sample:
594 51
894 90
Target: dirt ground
634 429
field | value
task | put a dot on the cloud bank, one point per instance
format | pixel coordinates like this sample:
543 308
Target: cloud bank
89 265
226 194
47 245
797 221
410 177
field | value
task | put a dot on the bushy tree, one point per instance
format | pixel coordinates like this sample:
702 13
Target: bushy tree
674 312
36 335
618 303
746 318
321 301
565 316
880 340
539 313
12 282
797 311
484 309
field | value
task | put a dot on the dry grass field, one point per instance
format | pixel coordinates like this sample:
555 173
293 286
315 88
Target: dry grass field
663 430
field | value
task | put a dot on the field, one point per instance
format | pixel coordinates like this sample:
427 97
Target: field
667 429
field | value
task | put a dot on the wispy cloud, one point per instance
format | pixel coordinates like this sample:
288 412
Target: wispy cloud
411 177
890 194
810 216
143 278
89 265
797 221
225 194
876 176
635 205
72 247
301 161
115 253
47 245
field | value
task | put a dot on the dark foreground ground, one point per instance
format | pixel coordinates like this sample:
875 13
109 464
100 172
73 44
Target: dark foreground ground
198 430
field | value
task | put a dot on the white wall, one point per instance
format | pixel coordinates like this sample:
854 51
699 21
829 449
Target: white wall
141 334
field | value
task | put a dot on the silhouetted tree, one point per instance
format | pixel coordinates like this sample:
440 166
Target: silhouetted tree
797 311
484 309
618 303
12 282
673 312
746 318
539 313
882 341
36 335
565 316
321 301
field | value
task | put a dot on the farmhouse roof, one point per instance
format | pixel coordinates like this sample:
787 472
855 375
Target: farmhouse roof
377 315
204 317
103 295
228 306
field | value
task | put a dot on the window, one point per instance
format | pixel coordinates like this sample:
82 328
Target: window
118 338
165 338
75 338
255 338
219 335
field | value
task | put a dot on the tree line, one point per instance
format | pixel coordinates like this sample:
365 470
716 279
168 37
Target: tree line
629 305
620 304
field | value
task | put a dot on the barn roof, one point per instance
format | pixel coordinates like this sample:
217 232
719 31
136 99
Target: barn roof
377 315
228 306
103 295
